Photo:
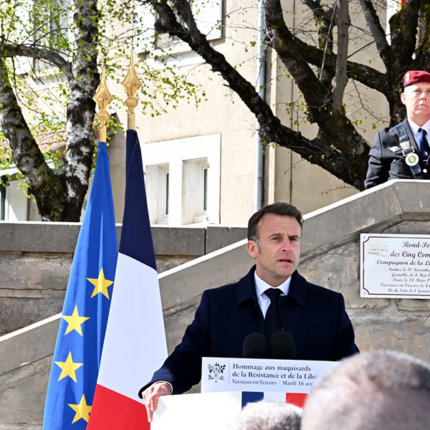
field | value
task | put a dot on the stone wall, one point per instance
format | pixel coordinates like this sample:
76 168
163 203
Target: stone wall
396 324
35 262
33 285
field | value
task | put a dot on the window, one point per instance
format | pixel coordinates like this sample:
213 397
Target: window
42 26
157 178
182 179
16 203
164 193
195 191
172 52
2 198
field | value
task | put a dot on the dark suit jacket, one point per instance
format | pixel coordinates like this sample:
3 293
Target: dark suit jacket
385 164
313 315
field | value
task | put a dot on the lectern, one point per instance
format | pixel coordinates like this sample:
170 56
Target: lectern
228 384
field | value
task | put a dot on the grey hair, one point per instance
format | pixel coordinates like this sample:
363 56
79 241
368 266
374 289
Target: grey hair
265 415
372 391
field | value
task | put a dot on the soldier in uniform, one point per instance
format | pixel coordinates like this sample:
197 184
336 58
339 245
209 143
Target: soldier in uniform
402 152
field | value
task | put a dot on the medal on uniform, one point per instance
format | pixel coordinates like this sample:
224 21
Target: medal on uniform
412 159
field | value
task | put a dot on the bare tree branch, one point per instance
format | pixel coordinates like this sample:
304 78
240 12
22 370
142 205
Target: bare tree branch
333 123
378 32
51 56
318 151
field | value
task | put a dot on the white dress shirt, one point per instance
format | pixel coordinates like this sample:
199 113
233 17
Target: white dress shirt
261 286
417 135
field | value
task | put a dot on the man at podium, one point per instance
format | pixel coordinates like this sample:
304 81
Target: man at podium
272 297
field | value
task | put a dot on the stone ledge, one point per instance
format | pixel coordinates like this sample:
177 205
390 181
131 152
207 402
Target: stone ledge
61 237
382 206
219 236
210 271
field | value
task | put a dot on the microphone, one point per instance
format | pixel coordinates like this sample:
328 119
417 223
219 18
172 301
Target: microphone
256 345
282 346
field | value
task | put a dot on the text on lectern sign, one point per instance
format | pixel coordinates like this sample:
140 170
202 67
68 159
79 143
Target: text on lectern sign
262 375
395 266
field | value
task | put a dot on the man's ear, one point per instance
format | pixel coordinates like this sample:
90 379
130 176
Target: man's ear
252 248
403 98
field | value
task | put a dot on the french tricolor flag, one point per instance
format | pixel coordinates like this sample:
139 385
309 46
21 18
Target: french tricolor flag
296 399
135 342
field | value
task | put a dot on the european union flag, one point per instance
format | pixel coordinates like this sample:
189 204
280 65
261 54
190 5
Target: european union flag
82 329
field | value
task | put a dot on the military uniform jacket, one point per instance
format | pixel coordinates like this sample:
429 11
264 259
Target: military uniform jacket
386 163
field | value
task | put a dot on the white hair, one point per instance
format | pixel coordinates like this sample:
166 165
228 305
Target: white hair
265 415
372 391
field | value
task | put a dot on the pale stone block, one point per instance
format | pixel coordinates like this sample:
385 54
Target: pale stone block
176 324
210 271
350 217
29 271
19 313
28 345
408 335
23 393
409 227
338 270
413 305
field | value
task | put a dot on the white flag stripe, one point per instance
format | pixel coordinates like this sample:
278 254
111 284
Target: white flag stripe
133 349
275 397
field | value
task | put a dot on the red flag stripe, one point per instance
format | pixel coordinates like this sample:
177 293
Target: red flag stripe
105 417
297 399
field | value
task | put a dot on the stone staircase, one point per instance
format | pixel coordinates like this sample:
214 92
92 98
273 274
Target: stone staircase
330 257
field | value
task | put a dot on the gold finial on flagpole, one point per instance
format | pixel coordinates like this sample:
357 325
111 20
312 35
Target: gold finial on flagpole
102 97
131 84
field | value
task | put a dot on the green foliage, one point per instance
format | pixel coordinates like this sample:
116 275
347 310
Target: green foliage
52 26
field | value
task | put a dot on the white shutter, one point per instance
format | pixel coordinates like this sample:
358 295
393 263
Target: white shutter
208 16
143 28
23 34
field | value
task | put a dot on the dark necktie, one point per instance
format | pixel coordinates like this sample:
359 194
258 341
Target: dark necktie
424 146
272 322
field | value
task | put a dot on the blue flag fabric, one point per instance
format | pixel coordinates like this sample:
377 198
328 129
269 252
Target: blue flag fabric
89 293
136 218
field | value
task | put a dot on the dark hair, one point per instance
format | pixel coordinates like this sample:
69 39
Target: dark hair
280 208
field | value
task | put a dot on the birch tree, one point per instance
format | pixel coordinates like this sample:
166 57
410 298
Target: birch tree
51 52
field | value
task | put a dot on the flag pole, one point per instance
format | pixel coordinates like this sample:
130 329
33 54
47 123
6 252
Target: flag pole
131 84
103 97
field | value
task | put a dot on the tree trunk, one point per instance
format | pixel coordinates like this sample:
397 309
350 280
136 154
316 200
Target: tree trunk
47 188
81 110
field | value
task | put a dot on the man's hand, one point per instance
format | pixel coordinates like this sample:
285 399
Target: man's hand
151 395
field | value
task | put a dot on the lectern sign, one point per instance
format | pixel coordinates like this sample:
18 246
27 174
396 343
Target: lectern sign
395 266
248 374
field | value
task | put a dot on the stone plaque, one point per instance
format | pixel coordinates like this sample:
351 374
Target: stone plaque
395 266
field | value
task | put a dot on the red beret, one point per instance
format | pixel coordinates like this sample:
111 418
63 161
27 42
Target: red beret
414 76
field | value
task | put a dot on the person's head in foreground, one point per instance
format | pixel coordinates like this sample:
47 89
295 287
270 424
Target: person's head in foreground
268 416
373 391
